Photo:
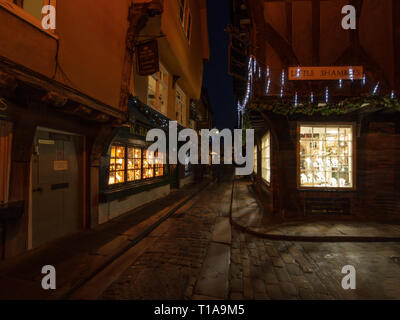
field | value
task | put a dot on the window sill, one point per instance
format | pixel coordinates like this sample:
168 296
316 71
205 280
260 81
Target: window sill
349 190
26 17
120 192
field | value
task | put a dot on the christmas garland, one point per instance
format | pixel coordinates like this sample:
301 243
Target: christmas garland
286 108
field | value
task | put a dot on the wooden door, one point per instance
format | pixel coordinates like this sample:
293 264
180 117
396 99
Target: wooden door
56 207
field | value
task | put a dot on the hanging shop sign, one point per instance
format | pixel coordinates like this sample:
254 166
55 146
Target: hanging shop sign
326 73
147 60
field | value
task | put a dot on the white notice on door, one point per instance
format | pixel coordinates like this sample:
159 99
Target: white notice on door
60 165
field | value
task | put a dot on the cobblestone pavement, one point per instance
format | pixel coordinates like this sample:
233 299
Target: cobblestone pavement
179 262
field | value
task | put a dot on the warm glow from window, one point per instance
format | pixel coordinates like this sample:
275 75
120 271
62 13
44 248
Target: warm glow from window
266 157
117 165
255 159
326 156
134 164
148 165
129 164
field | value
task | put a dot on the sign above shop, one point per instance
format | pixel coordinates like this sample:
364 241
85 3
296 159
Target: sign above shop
147 58
326 73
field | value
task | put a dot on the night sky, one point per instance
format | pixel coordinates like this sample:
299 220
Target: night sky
216 78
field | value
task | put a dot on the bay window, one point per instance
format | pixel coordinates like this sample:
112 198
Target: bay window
131 164
326 156
266 157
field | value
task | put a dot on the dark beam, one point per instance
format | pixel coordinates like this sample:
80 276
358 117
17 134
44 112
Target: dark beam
396 43
289 21
316 32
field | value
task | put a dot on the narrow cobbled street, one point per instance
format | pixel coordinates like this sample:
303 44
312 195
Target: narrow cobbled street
196 255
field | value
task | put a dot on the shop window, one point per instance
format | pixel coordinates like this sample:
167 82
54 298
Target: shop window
148 165
5 158
134 164
180 106
266 157
326 156
130 164
117 165
157 94
255 159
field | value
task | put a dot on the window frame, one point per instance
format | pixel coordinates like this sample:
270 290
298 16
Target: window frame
160 81
183 112
268 133
126 182
255 170
187 20
353 125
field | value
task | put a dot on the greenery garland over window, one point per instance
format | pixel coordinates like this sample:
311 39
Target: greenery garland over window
370 103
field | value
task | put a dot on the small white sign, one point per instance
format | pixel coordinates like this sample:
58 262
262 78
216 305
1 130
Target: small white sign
60 165
43 141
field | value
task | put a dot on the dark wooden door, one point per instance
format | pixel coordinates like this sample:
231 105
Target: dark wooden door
55 186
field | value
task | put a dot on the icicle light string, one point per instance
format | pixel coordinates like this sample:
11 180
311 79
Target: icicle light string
255 72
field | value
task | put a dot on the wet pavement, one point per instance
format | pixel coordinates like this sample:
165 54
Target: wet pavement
196 255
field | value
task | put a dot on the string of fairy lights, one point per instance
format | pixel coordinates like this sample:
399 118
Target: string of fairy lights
255 73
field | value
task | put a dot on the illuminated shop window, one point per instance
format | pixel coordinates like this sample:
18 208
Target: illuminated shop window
130 164
134 164
326 156
159 165
266 157
117 165
148 165
255 159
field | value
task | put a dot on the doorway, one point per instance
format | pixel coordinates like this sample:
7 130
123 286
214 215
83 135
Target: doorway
57 185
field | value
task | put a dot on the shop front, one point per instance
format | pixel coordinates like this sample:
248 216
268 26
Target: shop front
338 165
130 176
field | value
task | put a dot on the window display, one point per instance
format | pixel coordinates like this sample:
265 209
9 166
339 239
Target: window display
117 165
134 164
266 157
148 165
159 164
130 164
326 156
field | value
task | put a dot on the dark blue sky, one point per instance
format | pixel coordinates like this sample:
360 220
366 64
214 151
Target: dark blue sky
216 78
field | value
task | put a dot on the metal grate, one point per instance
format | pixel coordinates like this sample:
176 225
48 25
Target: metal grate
327 207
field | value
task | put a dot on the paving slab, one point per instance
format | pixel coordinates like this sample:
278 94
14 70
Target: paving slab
214 277
248 216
